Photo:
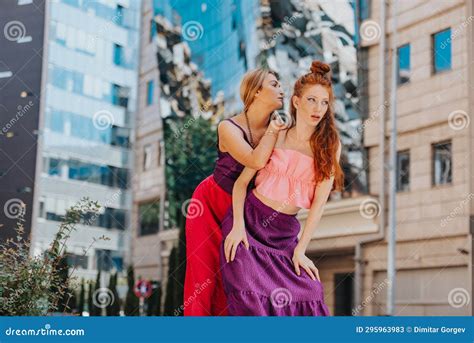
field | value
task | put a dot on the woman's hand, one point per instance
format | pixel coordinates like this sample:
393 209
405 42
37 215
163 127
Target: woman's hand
300 260
279 122
233 239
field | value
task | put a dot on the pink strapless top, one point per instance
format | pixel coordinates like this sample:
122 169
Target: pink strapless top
288 177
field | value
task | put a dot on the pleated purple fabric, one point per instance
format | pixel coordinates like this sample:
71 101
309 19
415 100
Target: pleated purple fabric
262 281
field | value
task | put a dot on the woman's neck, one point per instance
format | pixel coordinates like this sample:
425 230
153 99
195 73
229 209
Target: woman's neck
301 133
258 116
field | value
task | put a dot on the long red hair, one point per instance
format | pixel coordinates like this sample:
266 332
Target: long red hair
325 139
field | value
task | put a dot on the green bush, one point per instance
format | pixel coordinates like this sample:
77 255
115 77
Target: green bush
34 285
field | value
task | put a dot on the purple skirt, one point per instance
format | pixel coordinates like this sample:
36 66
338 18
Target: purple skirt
262 281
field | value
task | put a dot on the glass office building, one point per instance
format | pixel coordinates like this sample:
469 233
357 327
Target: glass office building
223 39
88 112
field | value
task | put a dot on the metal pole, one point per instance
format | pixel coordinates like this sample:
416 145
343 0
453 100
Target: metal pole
392 234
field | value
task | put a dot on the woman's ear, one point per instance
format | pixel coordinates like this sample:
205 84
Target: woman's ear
295 100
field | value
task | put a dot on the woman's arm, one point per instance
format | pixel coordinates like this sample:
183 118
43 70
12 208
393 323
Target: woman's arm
321 195
238 148
238 234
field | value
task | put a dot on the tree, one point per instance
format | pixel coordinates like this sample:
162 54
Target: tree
171 294
96 310
113 307
154 301
131 301
82 296
90 303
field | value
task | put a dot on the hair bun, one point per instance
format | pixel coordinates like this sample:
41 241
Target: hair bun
318 67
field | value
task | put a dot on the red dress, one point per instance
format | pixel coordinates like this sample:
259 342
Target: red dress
203 291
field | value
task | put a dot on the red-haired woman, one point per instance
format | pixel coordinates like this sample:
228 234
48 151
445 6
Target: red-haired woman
272 275
245 140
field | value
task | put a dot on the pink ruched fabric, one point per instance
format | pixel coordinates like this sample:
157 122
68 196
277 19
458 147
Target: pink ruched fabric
288 177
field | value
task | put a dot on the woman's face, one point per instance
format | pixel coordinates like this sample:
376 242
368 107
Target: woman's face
271 93
313 104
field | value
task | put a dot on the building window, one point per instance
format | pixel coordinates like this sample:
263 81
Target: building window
150 89
118 55
343 294
120 95
403 54
54 167
364 9
103 259
149 218
78 261
152 30
441 44
441 169
403 171
41 209
119 15
147 157
93 173
120 136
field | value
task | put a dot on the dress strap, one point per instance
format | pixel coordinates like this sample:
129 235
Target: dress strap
241 129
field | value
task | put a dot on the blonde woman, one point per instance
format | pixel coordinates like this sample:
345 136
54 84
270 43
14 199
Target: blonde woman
245 140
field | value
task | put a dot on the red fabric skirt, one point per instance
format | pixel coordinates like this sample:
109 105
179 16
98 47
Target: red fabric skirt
203 291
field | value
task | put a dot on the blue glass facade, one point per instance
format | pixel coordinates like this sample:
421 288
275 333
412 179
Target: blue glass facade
90 103
225 45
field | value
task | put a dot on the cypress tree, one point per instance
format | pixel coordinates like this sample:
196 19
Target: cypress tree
96 310
170 297
82 296
113 307
90 304
132 302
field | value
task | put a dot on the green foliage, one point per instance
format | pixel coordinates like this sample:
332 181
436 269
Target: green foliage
132 303
154 301
171 300
190 145
96 310
113 309
82 298
36 285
